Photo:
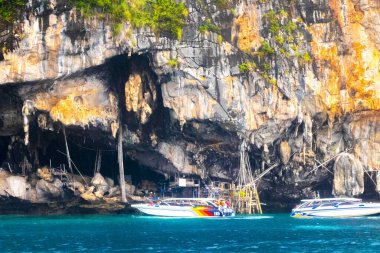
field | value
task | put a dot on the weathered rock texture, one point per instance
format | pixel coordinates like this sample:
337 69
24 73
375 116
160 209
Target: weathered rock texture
348 176
190 118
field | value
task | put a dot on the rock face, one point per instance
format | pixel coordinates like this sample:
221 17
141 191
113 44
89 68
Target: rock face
308 91
47 191
15 186
348 176
284 152
56 43
45 174
101 186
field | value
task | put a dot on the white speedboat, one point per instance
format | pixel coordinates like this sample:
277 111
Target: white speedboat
334 207
187 207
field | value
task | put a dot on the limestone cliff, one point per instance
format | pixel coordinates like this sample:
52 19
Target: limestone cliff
300 80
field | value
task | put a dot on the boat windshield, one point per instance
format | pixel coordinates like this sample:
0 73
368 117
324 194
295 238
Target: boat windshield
313 203
310 204
194 202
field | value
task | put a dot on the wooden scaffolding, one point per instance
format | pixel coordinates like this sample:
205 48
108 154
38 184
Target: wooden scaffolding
244 195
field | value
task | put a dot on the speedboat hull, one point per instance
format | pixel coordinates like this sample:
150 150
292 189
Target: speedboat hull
182 211
353 210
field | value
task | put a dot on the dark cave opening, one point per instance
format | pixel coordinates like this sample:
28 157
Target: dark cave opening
4 140
324 188
82 152
370 192
51 152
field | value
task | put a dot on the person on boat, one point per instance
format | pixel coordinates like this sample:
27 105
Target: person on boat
220 206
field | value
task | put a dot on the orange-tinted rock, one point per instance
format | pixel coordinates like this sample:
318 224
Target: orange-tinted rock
77 102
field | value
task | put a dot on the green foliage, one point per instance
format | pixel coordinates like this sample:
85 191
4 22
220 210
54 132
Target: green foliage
11 32
290 26
266 48
263 1
279 40
207 26
283 13
220 39
173 63
164 17
222 4
9 10
137 13
273 81
168 16
306 57
247 67
289 38
266 67
273 20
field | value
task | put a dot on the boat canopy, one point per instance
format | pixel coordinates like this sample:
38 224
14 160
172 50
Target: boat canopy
331 199
188 199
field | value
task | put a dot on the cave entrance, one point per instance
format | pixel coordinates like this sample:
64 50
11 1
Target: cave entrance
147 181
83 149
47 144
4 140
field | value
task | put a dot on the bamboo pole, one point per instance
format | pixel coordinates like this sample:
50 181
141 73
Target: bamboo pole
74 167
67 150
121 164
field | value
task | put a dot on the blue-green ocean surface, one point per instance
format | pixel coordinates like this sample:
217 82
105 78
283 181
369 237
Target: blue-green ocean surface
266 233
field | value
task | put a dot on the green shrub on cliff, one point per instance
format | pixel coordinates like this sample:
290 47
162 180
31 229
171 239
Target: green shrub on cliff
168 16
10 31
274 23
222 4
208 26
164 17
173 63
9 10
273 81
306 57
247 67
279 40
266 48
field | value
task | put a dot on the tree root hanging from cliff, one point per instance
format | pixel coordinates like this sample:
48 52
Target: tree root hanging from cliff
245 172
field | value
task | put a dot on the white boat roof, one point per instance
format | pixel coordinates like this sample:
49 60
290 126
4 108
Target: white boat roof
191 199
331 199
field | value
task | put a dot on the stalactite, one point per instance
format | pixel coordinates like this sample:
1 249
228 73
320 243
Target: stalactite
27 110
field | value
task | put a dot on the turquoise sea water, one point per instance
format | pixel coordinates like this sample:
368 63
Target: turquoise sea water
266 233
